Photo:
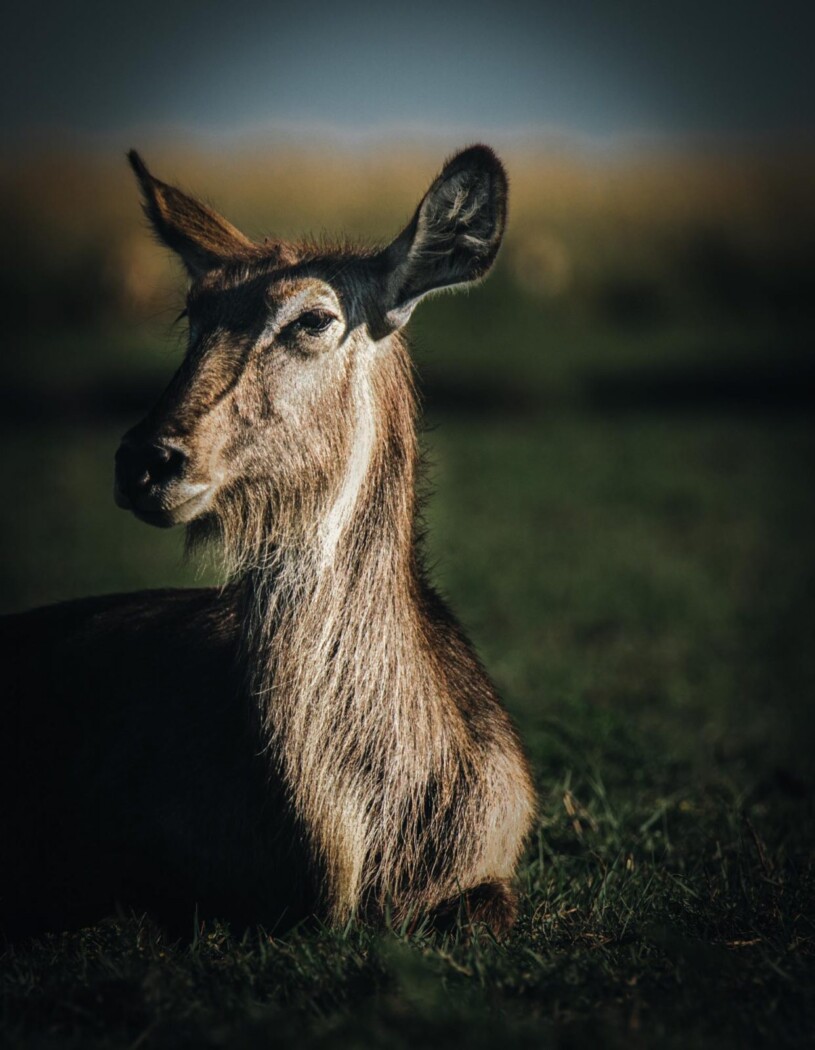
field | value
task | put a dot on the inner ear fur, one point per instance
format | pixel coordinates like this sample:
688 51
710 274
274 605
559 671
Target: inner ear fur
454 236
201 237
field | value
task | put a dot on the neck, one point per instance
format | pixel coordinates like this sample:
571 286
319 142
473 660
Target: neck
337 643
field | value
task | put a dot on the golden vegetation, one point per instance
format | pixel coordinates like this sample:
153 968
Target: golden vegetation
646 229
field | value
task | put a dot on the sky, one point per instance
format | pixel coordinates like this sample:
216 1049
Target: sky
592 69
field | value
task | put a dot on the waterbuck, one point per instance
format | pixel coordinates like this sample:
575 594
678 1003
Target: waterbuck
316 737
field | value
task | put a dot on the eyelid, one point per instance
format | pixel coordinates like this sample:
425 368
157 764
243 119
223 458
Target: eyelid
322 311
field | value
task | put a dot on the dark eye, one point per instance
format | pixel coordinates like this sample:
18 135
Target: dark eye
313 322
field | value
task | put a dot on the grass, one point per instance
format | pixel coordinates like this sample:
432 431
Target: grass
623 515
639 588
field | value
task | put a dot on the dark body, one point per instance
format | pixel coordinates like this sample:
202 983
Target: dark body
133 770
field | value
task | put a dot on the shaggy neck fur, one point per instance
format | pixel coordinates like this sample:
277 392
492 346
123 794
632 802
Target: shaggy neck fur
349 690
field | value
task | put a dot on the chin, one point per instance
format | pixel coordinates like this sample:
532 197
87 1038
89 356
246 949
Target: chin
160 519
183 512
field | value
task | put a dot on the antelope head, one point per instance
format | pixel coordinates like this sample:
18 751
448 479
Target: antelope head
277 398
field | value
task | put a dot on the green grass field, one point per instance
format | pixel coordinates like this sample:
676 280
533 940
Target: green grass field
623 515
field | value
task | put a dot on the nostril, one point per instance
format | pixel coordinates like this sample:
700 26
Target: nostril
162 463
140 466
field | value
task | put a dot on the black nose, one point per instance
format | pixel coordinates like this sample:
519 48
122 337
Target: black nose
140 466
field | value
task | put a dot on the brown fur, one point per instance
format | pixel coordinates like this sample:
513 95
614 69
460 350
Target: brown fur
318 737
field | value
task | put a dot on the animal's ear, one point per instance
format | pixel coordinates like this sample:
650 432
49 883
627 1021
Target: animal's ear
202 238
454 236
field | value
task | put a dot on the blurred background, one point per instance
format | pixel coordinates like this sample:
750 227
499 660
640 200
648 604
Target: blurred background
618 423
